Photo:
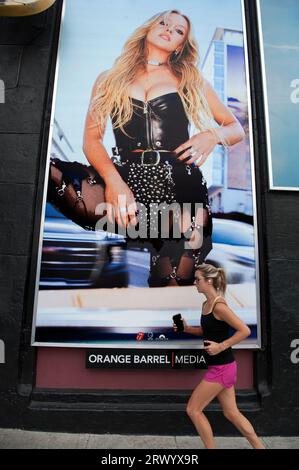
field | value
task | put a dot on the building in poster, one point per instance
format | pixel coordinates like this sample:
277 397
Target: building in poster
229 171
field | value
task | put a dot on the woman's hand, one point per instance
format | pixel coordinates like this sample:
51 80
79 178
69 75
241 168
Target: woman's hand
120 202
213 348
185 326
198 148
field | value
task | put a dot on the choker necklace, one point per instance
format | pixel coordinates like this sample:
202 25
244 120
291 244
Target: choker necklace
154 62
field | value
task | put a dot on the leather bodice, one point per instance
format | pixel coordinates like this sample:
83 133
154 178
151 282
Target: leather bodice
159 123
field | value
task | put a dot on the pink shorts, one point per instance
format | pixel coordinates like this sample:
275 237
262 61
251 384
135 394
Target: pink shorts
225 375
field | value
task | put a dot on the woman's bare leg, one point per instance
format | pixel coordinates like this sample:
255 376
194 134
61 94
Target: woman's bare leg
200 398
227 399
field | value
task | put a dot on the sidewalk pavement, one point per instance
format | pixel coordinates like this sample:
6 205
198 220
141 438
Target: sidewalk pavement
19 439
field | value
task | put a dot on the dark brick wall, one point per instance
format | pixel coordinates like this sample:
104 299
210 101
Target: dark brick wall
27 65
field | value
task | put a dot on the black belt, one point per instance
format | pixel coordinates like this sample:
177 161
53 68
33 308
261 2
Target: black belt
149 156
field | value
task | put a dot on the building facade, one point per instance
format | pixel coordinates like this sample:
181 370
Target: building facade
50 388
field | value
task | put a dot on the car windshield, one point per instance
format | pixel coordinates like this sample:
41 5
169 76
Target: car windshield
232 233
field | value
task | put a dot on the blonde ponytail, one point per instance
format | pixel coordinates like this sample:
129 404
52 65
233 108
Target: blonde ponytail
221 281
217 275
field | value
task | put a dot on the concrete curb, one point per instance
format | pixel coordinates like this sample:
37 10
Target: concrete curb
19 439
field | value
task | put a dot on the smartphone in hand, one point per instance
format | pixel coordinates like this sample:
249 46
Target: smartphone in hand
177 319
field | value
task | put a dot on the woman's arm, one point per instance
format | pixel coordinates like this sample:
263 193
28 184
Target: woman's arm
117 191
204 142
224 313
194 330
94 149
232 131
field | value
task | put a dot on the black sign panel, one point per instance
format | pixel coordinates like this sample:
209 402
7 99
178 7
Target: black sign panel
145 359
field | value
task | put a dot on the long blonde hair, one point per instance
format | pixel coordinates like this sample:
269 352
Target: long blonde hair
217 275
111 95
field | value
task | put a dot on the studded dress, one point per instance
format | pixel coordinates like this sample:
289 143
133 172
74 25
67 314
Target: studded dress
161 124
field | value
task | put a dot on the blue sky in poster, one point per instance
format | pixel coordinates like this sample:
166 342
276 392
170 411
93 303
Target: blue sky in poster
93 37
280 26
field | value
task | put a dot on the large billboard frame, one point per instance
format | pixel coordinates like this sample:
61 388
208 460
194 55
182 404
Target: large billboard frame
258 344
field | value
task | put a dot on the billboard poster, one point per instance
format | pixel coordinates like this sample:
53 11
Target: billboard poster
279 45
150 173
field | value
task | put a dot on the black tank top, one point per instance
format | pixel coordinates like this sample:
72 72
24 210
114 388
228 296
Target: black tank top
159 123
218 331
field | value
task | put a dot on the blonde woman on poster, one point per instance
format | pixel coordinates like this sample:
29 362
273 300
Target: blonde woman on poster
153 93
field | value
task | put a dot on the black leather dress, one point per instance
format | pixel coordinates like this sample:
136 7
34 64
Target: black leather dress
161 124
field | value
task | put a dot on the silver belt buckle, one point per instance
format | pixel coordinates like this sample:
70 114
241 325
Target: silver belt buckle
152 151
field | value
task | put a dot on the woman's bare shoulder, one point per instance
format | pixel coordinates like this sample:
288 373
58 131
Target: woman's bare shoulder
220 302
219 306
